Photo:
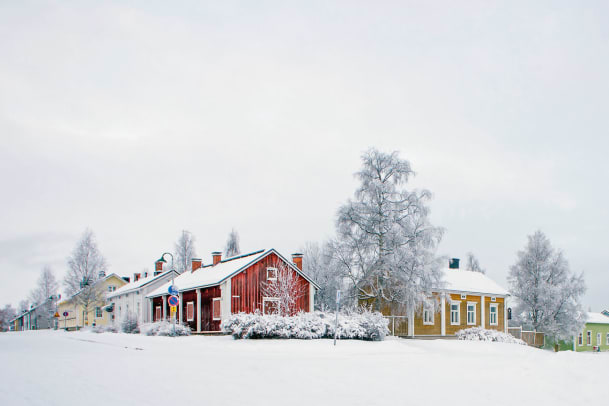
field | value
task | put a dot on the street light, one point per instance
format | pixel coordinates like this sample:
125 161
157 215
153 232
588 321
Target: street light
162 259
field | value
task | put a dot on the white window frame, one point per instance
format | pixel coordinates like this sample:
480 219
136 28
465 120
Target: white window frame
473 323
268 299
190 308
607 338
219 300
491 314
463 296
98 310
589 338
493 299
598 339
458 313
271 269
428 316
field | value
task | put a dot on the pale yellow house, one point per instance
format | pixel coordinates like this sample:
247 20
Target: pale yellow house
72 313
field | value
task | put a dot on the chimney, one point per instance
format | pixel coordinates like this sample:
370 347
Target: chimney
297 260
158 266
453 263
196 263
136 277
217 256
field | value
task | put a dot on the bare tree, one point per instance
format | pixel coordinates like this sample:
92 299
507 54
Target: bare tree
86 266
548 293
24 306
6 314
184 251
285 289
318 265
45 292
386 244
473 264
232 245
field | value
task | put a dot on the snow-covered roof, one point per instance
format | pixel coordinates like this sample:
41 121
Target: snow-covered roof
135 285
214 275
597 318
105 278
460 280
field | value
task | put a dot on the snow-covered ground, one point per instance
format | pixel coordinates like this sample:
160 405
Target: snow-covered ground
81 368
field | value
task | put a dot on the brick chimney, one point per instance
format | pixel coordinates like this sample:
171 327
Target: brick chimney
297 260
196 263
453 263
217 256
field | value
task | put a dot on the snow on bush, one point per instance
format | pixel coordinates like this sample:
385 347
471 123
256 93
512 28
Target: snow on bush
362 325
481 334
130 324
164 328
105 329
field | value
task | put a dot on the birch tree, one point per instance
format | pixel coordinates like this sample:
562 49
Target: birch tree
6 314
548 292
232 245
86 266
285 288
184 251
318 265
46 288
473 264
386 244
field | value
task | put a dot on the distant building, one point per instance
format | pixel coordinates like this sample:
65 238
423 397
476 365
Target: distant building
36 318
595 335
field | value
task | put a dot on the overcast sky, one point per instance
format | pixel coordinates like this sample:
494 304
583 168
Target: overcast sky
142 120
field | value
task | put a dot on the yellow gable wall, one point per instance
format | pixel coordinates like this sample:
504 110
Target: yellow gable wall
75 311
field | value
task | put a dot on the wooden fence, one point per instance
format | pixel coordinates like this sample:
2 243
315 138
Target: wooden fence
398 325
532 338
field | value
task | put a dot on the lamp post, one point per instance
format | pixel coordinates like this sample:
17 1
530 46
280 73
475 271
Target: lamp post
162 259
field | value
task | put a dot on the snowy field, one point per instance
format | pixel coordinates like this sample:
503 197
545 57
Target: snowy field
81 368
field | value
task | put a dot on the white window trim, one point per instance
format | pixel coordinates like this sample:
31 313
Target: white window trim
268 278
463 296
607 338
192 306
458 303
588 338
490 314
429 311
219 300
598 339
493 299
467 313
268 299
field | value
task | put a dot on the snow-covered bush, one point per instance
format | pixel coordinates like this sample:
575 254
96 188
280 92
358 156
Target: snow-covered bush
164 328
481 334
362 325
130 324
105 329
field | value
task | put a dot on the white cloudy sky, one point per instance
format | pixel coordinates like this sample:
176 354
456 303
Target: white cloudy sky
141 120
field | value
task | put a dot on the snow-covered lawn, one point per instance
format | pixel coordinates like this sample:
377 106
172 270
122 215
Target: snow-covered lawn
81 368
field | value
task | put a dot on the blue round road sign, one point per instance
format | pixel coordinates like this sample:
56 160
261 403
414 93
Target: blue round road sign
173 300
173 290
65 314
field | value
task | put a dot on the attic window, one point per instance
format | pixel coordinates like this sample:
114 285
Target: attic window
493 299
271 274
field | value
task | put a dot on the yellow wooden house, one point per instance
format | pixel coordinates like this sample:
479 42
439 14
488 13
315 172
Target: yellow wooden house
72 313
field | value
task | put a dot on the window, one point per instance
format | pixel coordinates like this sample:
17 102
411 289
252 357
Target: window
598 339
110 288
454 313
98 312
607 338
216 314
471 313
190 311
463 296
428 316
589 337
270 305
492 319
271 274
580 339
493 299
157 313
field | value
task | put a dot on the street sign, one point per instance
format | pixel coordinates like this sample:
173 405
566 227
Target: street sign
173 300
56 314
65 314
173 290
337 296
173 309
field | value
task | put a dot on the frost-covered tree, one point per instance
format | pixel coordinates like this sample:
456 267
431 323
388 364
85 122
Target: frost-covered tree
286 288
45 292
7 313
318 265
184 251
232 245
386 244
548 293
86 265
473 264
24 306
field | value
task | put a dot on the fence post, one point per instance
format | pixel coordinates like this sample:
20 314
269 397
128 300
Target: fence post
393 318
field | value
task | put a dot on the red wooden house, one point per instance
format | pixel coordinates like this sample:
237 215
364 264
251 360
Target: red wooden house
210 293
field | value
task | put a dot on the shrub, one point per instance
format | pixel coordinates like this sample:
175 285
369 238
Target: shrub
481 334
164 328
105 329
130 324
362 325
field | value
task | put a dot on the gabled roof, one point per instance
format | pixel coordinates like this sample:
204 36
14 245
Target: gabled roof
105 278
459 280
212 275
596 318
29 311
133 286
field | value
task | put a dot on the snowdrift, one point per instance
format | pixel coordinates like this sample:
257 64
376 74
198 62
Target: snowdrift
481 334
364 325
